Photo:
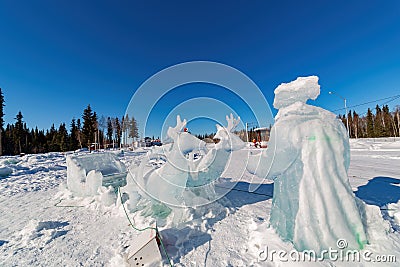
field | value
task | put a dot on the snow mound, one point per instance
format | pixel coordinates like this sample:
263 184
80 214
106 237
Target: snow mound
9 161
383 143
31 172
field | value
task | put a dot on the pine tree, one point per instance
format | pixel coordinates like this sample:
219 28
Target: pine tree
387 122
102 128
74 143
18 132
133 129
42 147
88 127
396 122
52 139
95 129
370 124
110 130
124 129
378 123
79 132
26 139
35 140
9 144
118 131
350 130
1 120
62 138
33 143
356 124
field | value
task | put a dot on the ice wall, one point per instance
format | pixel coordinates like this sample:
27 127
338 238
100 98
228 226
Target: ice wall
308 157
87 173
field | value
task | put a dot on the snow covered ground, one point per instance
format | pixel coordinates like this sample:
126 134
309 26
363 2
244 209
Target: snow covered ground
36 229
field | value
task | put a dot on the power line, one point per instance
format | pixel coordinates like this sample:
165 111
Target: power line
392 98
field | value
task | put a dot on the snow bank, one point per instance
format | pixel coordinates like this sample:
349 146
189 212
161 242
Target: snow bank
384 143
6 166
9 161
87 173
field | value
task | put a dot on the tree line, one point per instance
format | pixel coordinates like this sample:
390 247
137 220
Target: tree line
90 132
106 132
381 123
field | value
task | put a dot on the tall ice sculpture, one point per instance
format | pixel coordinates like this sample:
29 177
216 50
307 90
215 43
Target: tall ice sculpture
308 157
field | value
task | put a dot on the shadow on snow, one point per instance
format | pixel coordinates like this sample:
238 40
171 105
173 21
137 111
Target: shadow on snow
380 191
182 241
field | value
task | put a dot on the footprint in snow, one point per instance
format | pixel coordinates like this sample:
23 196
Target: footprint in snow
37 234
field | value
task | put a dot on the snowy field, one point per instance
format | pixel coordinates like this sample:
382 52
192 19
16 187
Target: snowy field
36 229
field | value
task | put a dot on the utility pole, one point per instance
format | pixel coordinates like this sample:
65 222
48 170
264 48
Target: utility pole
247 134
345 107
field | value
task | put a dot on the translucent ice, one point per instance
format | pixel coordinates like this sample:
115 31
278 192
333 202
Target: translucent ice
87 173
167 184
210 167
172 178
308 157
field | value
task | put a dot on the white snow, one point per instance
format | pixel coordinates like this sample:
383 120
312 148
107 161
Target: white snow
34 232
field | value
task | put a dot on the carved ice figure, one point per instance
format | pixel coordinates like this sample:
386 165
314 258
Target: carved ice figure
168 183
308 157
210 167
206 170
182 181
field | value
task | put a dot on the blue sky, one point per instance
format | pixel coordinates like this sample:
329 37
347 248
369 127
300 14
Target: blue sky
58 56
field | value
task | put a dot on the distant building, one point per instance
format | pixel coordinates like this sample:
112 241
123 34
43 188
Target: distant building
147 141
152 142
262 136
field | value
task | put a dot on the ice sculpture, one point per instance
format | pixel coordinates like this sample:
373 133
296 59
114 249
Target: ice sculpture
169 179
210 167
167 183
313 204
87 173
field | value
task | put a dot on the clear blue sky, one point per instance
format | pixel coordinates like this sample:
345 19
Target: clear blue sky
58 56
